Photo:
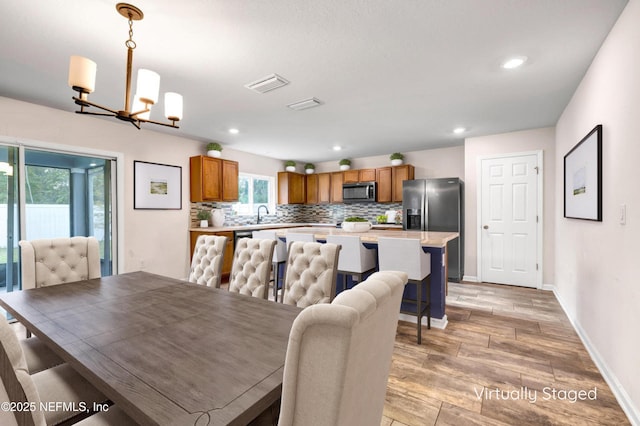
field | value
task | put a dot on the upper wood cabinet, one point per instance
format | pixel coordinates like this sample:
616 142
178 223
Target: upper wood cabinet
324 187
312 189
398 175
359 175
291 188
337 178
383 177
213 179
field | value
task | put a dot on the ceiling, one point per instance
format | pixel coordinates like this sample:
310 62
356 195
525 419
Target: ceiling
393 75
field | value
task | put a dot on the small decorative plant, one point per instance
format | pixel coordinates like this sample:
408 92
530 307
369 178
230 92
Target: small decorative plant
396 156
214 146
345 162
309 166
289 163
202 215
381 219
355 219
213 149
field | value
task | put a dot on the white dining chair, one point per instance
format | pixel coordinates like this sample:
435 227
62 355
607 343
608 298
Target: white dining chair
46 262
311 273
279 258
252 267
355 259
339 355
407 255
206 263
59 384
299 236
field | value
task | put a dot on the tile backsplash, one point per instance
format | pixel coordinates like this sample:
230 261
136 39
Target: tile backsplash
303 213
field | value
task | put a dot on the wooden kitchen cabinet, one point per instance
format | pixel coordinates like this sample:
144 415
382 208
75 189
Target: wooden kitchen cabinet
227 260
337 178
383 178
312 189
359 175
398 175
213 179
366 175
324 187
350 176
291 188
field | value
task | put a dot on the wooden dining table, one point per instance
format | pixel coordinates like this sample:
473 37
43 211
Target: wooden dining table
165 351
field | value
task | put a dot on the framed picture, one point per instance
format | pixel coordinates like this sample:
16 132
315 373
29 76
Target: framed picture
583 178
157 186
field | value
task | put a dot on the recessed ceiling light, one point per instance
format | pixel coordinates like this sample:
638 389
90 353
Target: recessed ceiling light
459 130
337 148
514 62
234 131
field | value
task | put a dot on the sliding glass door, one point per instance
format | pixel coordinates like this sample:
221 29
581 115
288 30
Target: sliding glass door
63 195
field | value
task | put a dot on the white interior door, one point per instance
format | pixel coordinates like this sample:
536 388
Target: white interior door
509 220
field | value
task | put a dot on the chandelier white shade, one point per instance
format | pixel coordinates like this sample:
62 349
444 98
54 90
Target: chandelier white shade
136 110
82 74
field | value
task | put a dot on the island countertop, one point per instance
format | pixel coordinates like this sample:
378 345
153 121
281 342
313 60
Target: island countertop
427 238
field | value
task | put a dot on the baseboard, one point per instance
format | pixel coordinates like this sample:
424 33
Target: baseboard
435 322
550 287
470 278
632 412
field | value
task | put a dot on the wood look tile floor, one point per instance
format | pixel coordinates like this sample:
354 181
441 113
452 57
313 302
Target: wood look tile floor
509 355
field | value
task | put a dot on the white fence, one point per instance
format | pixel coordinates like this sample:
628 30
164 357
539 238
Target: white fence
45 221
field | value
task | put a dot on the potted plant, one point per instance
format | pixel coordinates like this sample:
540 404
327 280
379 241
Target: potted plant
203 216
213 149
290 166
396 158
356 224
309 168
345 164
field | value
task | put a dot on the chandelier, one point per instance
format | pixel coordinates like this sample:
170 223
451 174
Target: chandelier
82 78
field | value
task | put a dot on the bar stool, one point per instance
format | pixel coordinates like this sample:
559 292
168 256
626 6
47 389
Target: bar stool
355 259
298 236
279 258
406 255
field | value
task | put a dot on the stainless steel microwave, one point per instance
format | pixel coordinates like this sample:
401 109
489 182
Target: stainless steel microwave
361 192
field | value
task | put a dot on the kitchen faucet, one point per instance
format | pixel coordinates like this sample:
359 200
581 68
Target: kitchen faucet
259 207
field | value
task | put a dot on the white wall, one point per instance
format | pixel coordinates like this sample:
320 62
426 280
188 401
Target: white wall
157 239
523 141
597 262
430 163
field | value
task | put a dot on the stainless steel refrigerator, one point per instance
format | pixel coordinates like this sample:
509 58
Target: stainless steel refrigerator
437 205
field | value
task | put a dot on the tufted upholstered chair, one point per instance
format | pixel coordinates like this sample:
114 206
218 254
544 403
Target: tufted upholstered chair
401 254
339 354
279 257
312 269
252 267
58 384
206 264
60 260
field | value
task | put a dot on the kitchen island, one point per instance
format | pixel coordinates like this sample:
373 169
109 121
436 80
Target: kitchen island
434 243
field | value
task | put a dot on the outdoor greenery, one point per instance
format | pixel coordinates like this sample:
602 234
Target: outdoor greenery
260 191
49 185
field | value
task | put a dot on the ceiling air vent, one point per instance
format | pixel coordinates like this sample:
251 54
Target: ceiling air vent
307 103
267 83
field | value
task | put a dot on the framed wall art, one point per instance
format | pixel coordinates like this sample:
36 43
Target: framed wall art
157 186
583 178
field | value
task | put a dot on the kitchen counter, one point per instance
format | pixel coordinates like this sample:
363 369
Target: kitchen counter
256 226
427 238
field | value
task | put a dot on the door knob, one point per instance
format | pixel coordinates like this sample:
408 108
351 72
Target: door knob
486 227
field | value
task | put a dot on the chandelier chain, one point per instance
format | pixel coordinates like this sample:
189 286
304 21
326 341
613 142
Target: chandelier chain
130 43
